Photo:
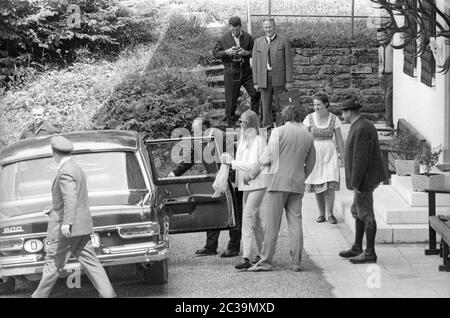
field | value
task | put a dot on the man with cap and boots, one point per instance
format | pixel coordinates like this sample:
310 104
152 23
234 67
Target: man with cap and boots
70 225
234 48
364 171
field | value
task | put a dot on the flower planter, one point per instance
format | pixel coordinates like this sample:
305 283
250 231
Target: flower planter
432 181
406 167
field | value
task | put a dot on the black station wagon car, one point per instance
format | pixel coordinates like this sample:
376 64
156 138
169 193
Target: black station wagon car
133 202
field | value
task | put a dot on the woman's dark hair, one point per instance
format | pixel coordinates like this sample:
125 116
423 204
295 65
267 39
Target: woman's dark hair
323 98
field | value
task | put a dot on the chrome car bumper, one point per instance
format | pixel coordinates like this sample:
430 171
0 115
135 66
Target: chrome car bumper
113 255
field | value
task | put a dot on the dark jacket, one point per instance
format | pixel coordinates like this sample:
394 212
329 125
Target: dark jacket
43 130
364 168
70 204
281 61
227 41
227 145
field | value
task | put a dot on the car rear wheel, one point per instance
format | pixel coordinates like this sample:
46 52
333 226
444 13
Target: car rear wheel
157 273
7 285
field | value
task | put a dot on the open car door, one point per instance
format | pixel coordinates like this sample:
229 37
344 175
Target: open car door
187 198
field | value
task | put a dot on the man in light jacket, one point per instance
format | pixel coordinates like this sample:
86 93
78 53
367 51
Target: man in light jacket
272 69
291 157
70 226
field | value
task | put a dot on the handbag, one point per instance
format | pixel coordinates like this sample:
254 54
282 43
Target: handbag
221 182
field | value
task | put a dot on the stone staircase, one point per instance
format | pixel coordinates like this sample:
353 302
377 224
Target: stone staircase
215 81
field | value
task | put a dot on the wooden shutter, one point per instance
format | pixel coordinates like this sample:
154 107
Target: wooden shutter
410 51
428 64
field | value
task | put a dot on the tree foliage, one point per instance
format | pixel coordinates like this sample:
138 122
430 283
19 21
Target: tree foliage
36 33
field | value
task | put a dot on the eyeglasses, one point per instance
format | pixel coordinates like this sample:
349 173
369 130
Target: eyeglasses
243 122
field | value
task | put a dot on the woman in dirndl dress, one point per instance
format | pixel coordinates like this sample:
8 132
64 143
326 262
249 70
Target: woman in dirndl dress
324 179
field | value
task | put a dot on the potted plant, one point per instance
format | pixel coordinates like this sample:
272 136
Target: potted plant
428 180
408 148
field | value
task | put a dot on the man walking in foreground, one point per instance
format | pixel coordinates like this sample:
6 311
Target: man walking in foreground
70 226
291 156
364 171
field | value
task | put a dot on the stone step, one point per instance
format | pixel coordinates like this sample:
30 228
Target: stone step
393 209
216 92
218 104
403 186
214 70
215 81
386 233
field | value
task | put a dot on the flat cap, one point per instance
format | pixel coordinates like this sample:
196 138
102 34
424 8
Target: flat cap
350 102
61 144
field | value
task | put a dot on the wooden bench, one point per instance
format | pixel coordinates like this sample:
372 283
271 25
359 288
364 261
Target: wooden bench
441 224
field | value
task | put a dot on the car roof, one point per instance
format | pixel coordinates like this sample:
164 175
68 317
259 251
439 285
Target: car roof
83 141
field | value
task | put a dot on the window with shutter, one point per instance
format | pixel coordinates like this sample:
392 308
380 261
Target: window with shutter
428 64
410 50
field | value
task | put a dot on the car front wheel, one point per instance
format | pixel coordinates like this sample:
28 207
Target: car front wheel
157 273
7 285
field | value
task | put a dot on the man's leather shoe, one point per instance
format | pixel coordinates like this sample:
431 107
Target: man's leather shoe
244 265
364 258
296 268
259 268
205 252
332 219
321 219
257 259
350 253
228 253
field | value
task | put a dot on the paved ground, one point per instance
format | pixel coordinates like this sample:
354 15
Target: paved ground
402 271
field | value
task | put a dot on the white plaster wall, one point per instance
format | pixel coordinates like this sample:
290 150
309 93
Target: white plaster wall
422 106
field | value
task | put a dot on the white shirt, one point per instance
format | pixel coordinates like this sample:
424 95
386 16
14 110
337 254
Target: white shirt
236 39
63 161
248 152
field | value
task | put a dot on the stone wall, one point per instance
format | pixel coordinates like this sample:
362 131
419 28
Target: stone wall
337 72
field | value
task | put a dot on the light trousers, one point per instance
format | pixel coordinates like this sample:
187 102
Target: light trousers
271 211
251 222
59 252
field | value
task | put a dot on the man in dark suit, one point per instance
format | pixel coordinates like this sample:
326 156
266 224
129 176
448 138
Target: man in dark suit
202 127
364 171
38 127
235 49
70 225
272 69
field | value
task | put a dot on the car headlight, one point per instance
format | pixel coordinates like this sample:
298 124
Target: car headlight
11 245
33 245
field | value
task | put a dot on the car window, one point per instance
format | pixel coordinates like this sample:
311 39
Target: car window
107 171
184 158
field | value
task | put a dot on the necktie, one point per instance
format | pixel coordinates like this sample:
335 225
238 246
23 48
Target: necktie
268 54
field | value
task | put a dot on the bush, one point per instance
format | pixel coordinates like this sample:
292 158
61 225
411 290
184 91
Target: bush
155 103
430 157
70 98
323 32
406 145
37 33
185 44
